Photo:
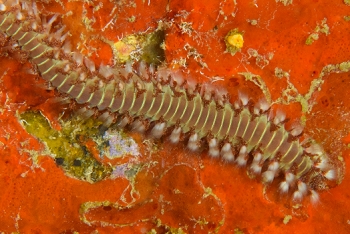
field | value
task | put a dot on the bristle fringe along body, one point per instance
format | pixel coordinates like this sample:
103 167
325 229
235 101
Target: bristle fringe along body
234 132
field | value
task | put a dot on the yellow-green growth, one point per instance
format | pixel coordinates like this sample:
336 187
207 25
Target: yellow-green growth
65 145
234 41
320 28
147 47
153 50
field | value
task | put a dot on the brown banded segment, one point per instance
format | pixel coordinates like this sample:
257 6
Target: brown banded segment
210 119
197 112
116 103
67 85
187 114
157 104
202 118
172 109
31 45
234 127
108 96
292 154
5 21
251 128
58 80
148 101
275 142
26 38
268 136
84 95
129 97
226 122
139 101
243 124
304 166
46 66
75 90
165 106
182 104
96 98
218 122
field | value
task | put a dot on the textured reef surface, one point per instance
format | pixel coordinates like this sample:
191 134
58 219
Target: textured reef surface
94 94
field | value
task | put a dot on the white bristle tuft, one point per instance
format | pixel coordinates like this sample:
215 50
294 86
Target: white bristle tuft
162 74
315 198
280 117
244 98
213 142
290 177
90 65
302 188
322 164
256 167
263 105
128 67
297 196
106 71
296 130
151 69
314 149
34 26
256 110
274 166
330 175
66 68
214 152
143 71
193 142
2 7
125 121
158 130
226 152
236 105
257 157
243 150
175 135
228 156
82 76
268 176
78 58
177 77
67 47
19 16
242 158
284 187
213 148
139 126
226 147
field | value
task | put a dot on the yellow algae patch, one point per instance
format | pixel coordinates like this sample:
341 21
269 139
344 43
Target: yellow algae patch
65 147
125 47
234 41
146 47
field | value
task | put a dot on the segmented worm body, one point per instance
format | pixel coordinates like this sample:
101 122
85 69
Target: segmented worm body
162 99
